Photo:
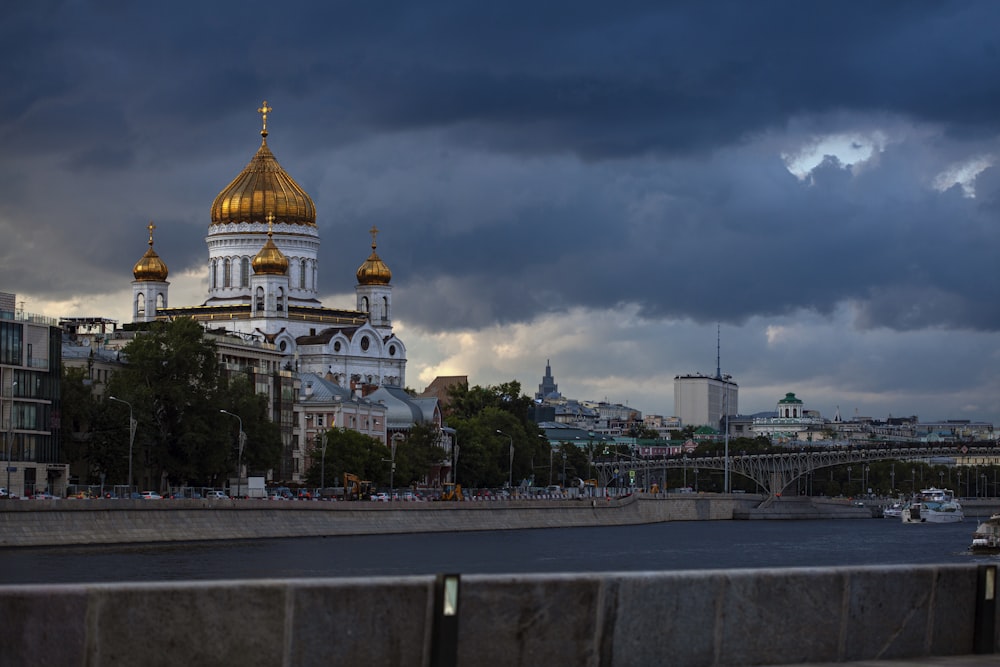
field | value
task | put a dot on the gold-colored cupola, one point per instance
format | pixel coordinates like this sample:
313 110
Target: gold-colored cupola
374 271
263 188
270 260
150 267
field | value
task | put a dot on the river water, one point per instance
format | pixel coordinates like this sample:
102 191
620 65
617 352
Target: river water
655 547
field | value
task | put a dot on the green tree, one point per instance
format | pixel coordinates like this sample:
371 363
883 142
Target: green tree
348 451
173 384
417 453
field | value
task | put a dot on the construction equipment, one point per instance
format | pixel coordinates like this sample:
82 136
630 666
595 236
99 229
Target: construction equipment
356 488
451 491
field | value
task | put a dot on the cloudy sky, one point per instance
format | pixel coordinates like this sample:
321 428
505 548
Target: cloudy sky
597 184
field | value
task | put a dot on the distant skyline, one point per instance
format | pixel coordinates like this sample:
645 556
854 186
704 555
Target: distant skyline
593 184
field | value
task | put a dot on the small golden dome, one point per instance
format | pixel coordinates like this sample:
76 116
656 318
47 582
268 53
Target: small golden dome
263 187
374 271
270 260
150 267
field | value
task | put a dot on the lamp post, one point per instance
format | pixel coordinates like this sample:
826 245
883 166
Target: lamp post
396 437
510 477
239 454
131 439
322 465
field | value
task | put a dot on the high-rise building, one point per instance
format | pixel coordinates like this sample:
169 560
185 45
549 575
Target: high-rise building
30 372
702 400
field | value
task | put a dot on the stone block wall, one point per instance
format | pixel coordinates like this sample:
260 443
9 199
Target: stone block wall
700 618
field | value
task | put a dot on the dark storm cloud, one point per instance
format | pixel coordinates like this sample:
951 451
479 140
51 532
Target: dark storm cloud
639 129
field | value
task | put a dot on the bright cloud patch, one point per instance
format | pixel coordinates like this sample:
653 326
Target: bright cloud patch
963 174
848 148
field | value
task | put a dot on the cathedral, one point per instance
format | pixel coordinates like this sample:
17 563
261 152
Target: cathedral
263 276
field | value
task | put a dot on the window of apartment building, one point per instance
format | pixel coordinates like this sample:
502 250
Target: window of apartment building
11 336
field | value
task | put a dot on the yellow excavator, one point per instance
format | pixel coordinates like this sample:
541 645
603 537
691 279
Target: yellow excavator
356 488
451 491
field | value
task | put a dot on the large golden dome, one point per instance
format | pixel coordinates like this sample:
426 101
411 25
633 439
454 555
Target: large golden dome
263 187
150 267
374 271
270 260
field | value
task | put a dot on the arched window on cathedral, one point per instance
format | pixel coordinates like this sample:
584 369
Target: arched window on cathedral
227 274
364 305
259 300
302 274
385 308
281 299
214 270
245 272
140 303
161 302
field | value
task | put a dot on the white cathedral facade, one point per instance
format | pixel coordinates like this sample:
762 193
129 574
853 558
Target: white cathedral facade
263 273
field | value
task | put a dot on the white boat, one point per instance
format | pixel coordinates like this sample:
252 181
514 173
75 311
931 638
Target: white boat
986 538
894 511
933 505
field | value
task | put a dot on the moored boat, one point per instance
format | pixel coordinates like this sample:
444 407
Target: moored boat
933 506
986 537
894 511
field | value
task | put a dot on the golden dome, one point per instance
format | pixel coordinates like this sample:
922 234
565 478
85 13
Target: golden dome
374 271
263 187
150 267
270 260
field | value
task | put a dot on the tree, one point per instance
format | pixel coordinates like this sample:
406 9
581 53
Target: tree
417 453
347 451
173 385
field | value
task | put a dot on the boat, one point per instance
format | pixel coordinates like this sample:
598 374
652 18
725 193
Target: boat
933 505
986 537
894 511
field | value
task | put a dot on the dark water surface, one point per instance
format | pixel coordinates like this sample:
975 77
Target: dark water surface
665 546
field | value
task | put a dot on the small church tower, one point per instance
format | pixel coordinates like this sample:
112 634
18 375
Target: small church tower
373 290
149 289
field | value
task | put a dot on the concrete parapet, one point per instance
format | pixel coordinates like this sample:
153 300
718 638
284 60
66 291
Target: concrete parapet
692 618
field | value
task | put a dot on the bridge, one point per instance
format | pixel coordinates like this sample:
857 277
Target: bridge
774 473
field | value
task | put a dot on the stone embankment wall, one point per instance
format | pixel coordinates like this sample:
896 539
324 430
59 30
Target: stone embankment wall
67 522
694 618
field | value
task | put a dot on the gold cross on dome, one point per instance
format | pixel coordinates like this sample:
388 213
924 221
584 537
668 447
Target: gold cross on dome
374 232
150 227
263 111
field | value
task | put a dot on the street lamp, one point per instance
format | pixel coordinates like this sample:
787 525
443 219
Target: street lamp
396 437
510 478
322 466
131 439
239 454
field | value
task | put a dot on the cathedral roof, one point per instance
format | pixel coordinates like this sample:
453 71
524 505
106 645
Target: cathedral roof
374 271
150 267
263 188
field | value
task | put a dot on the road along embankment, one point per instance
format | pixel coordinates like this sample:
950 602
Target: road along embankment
66 522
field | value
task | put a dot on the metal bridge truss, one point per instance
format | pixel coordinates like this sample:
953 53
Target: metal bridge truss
774 473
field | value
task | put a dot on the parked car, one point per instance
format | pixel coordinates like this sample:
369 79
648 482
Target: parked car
381 497
216 495
150 495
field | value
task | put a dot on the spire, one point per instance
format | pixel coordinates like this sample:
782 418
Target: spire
718 352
